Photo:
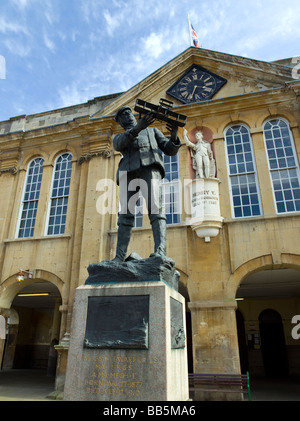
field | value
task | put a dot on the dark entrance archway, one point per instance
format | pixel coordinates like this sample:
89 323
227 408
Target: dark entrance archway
273 345
30 342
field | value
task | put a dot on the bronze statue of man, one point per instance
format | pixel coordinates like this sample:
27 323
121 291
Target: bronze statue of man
141 146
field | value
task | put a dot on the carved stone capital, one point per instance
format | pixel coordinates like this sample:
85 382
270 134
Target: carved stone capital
9 161
106 153
10 170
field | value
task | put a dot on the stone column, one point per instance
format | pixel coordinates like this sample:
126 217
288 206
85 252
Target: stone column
215 342
2 336
52 359
62 354
62 357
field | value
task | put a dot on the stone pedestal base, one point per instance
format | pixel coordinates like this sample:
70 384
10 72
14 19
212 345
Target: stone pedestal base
127 343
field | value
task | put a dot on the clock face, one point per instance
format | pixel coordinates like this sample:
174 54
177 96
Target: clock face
196 85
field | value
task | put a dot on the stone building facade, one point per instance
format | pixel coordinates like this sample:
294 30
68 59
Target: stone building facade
241 280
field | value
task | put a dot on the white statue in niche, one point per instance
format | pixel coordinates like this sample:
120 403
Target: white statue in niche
203 161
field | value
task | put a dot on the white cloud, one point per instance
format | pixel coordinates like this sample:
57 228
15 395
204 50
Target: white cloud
159 43
74 34
48 42
154 45
21 4
97 77
111 21
71 95
7 26
17 48
51 14
91 9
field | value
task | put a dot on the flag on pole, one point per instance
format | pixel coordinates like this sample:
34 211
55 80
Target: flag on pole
193 36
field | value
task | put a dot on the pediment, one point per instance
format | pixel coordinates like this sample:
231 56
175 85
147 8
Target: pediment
243 75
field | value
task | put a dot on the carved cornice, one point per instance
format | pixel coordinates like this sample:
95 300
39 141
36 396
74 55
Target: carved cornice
9 162
97 143
106 153
10 170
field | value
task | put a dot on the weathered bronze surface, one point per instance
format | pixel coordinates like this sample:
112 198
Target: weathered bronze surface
117 322
156 268
177 328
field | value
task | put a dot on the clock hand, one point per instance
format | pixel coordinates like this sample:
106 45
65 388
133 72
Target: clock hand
196 86
191 95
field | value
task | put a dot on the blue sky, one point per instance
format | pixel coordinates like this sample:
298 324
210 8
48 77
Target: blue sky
56 53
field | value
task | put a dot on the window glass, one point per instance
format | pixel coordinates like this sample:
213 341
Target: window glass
244 187
170 193
283 165
60 194
30 199
171 189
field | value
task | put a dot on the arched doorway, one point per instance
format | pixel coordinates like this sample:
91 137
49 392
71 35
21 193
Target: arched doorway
273 344
33 329
268 299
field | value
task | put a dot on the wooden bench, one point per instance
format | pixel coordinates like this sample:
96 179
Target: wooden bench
228 383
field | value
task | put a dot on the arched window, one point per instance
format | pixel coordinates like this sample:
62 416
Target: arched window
30 200
242 172
170 193
283 165
60 194
171 189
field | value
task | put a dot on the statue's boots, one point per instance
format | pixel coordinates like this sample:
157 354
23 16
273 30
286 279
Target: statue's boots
124 234
159 228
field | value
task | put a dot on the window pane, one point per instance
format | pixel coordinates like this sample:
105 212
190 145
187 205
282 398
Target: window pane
255 210
171 191
244 188
60 194
31 197
283 165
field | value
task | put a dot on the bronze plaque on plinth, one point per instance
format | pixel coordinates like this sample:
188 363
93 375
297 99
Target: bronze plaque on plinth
117 322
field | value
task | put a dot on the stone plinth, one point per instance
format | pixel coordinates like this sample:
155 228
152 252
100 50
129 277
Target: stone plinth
101 367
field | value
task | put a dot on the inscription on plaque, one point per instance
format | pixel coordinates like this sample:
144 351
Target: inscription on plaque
117 322
177 328
116 376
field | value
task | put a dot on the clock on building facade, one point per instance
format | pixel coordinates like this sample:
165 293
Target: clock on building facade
196 85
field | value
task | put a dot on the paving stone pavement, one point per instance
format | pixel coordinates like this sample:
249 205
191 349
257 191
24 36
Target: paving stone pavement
35 385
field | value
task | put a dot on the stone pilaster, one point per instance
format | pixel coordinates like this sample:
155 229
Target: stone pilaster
215 342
